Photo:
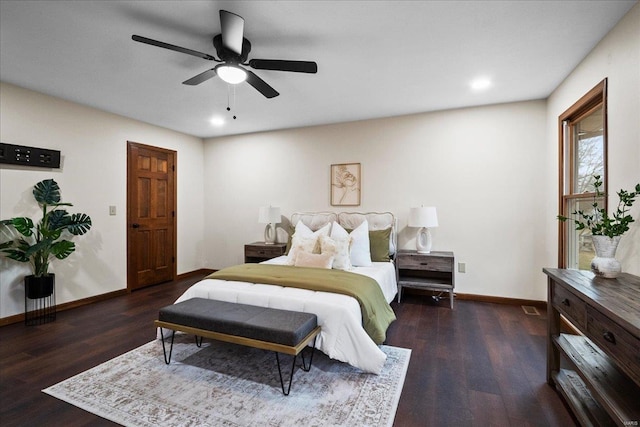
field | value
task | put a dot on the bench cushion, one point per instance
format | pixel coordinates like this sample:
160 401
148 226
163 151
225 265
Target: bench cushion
260 323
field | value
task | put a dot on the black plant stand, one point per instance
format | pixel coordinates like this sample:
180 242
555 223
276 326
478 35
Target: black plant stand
39 307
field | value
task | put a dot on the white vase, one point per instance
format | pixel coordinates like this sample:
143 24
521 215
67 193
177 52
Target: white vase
604 264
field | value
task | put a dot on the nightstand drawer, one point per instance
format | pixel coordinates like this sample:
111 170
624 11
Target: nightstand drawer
570 305
263 251
260 251
422 262
615 341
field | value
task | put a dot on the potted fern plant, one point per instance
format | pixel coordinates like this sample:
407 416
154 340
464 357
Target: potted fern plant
37 243
606 230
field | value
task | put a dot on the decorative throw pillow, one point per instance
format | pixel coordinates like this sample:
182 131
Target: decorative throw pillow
339 248
303 244
379 244
306 259
305 240
360 252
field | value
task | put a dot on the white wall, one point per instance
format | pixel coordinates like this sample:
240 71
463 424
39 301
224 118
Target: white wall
479 166
92 177
616 57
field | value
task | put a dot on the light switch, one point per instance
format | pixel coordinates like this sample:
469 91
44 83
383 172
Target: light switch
112 210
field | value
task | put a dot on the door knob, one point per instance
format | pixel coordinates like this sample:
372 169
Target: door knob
135 225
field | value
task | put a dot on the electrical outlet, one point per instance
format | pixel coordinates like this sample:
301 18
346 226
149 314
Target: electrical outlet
112 210
462 267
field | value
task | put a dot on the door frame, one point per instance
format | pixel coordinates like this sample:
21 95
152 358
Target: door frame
131 260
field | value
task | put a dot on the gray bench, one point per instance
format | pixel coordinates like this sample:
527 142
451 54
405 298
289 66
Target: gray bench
281 331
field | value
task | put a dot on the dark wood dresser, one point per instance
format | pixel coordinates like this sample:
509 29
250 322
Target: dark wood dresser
596 368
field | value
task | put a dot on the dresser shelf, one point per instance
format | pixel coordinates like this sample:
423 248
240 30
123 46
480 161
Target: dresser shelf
601 375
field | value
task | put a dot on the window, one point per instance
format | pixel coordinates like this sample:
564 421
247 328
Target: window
583 154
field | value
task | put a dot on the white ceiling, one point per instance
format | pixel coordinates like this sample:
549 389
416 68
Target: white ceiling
375 58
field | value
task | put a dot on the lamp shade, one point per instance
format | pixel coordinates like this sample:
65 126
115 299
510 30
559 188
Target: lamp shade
423 217
269 215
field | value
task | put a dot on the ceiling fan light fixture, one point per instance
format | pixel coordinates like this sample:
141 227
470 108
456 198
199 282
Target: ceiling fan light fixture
231 73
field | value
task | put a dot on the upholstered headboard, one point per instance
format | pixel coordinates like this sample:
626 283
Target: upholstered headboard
313 220
351 220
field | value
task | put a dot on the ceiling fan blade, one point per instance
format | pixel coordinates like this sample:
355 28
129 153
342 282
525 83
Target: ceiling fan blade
196 80
280 65
232 31
173 47
260 85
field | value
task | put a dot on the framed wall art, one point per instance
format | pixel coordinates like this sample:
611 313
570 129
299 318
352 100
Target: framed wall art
346 184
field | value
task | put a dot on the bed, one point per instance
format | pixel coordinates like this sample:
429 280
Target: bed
342 317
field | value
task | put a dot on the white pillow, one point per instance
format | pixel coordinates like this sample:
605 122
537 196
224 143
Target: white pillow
339 248
303 231
360 250
306 259
305 240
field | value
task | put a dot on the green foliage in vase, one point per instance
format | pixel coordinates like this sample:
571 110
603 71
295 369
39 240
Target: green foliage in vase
598 221
37 242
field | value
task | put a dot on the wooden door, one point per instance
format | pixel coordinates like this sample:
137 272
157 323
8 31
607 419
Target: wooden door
151 215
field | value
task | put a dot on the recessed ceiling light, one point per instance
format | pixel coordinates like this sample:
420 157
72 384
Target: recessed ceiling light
217 121
480 83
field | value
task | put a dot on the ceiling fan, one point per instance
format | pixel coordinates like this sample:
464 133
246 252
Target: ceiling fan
233 49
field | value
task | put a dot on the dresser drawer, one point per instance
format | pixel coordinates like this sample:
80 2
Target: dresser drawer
622 346
570 305
422 262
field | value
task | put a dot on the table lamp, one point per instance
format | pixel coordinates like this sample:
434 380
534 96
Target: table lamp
271 216
423 218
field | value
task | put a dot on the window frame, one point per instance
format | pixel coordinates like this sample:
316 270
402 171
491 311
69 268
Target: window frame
595 98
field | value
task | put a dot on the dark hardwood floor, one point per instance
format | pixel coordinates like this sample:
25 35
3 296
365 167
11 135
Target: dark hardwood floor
481 364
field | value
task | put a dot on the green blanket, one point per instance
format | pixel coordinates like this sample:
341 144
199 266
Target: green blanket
377 314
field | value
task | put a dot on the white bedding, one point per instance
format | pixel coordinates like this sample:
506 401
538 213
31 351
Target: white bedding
342 336
382 272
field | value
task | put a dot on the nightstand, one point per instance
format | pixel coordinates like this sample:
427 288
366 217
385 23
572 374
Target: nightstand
433 271
260 251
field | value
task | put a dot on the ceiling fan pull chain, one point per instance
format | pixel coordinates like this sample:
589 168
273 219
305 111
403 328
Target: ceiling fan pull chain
234 100
229 98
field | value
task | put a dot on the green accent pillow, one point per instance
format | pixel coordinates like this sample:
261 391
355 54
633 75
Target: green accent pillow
288 248
379 244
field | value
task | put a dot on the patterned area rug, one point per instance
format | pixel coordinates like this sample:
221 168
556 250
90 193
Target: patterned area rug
227 385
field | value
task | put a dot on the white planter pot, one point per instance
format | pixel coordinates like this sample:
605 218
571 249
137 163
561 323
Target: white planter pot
604 264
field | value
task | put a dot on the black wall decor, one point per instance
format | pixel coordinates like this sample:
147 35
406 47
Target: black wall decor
29 156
